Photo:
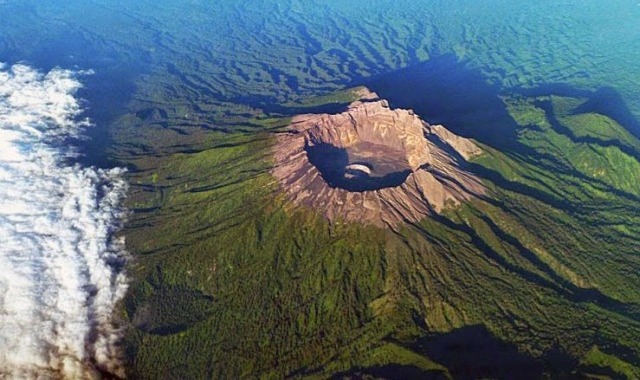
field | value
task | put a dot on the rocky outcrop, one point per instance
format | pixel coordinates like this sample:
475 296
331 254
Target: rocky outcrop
373 164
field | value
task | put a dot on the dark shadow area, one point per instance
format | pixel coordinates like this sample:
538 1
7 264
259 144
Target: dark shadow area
168 309
107 93
474 353
330 108
339 171
607 101
446 91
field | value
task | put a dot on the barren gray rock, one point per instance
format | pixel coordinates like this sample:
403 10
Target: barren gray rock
374 165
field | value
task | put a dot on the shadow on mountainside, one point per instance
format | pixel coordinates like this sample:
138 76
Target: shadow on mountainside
472 352
468 353
444 90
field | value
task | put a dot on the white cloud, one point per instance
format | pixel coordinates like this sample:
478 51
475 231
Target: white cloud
58 284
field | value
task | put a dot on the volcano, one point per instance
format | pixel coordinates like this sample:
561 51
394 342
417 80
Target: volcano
373 164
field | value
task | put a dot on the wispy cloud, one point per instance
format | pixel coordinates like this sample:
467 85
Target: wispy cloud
60 264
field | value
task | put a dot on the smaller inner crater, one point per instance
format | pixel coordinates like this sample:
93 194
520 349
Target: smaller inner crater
359 167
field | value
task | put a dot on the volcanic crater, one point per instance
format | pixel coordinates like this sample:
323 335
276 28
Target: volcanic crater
373 164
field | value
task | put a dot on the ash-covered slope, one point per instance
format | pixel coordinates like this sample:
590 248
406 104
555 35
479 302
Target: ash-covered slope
373 164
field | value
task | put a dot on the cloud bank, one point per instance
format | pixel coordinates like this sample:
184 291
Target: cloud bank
60 264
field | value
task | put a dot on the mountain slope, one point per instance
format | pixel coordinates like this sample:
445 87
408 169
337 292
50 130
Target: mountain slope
539 275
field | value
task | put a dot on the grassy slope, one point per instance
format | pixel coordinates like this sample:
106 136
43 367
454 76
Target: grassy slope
544 270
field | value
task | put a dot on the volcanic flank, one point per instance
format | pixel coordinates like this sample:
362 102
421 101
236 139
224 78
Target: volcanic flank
373 164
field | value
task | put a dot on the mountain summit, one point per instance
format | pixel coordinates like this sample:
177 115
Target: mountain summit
374 164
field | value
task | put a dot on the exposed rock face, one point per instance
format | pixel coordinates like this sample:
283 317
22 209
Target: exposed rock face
374 165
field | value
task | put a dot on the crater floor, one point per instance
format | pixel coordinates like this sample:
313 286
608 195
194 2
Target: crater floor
363 166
